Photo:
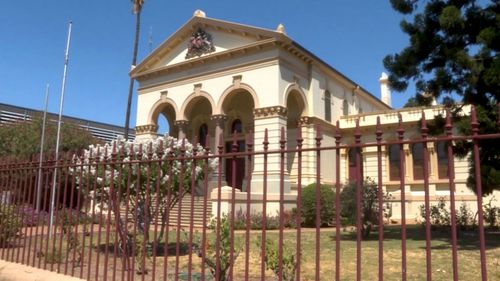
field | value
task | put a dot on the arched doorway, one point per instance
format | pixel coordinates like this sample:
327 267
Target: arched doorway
238 107
197 112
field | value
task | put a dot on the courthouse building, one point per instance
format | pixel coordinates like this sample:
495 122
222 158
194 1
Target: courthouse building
213 77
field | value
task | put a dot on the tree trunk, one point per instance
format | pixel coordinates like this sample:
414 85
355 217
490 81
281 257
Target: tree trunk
134 62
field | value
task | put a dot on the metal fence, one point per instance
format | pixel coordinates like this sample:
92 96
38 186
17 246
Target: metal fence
120 214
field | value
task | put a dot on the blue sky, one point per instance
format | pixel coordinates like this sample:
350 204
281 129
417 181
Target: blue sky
352 36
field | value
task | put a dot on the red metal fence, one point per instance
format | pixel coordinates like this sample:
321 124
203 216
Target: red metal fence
121 214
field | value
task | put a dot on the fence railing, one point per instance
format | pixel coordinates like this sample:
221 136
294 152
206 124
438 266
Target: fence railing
127 212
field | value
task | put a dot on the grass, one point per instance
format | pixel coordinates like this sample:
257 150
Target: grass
441 254
468 255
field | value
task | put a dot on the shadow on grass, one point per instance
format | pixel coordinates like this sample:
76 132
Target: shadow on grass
170 250
466 240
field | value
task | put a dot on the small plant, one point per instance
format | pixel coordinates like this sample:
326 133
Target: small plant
491 213
289 263
225 250
10 224
439 214
308 200
465 217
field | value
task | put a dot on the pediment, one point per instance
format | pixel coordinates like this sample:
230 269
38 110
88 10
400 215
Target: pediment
200 37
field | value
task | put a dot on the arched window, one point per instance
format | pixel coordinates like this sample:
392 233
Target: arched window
442 157
328 106
394 162
237 127
202 134
345 107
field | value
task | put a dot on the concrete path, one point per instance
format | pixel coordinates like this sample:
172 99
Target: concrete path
17 272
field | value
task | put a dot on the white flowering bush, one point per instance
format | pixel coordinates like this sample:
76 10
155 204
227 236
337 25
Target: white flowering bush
142 174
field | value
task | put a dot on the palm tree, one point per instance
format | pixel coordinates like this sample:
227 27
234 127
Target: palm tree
136 9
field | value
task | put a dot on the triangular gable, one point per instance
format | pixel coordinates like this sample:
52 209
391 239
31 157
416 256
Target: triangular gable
224 36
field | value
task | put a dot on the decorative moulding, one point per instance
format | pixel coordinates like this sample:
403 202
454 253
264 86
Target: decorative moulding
272 111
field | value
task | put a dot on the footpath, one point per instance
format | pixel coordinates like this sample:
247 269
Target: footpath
18 272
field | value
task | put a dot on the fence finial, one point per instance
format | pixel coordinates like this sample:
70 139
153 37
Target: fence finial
357 132
318 135
423 129
448 126
282 138
473 120
378 130
207 142
338 133
266 141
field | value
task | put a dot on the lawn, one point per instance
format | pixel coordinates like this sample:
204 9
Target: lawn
468 256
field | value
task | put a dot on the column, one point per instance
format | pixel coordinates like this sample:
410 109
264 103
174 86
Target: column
273 119
307 125
219 120
182 128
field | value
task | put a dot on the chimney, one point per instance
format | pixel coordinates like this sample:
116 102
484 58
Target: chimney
385 92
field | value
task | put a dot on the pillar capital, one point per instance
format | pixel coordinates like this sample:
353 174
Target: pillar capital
182 127
146 129
218 117
271 111
180 123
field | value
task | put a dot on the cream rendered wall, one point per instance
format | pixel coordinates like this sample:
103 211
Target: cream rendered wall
263 80
222 42
219 68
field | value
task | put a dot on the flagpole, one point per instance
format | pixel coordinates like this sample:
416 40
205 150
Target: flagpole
39 183
63 87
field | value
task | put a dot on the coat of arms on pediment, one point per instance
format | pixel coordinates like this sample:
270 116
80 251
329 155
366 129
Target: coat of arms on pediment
199 44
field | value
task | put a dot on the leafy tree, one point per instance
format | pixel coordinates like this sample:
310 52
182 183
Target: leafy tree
453 56
21 140
136 9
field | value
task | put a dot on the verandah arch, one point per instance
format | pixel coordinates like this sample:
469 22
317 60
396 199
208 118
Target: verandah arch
167 108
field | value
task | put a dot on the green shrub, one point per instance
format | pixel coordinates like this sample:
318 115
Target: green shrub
10 224
465 217
369 209
308 200
438 213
